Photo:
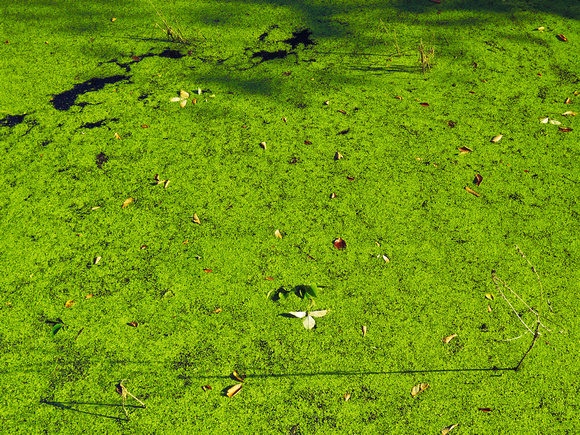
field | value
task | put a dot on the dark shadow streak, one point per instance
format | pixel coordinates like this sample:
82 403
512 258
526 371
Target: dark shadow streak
65 405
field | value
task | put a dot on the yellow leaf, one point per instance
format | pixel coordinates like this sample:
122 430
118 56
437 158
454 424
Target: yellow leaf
117 136
183 94
347 397
417 389
448 429
97 260
488 309
278 234
364 330
232 391
449 338
237 376
497 138
166 184
196 219
69 304
127 202
489 296
338 156
263 145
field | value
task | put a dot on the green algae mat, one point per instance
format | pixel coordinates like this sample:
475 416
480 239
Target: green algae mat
290 217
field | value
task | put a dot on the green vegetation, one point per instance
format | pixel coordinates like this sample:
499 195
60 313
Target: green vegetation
168 199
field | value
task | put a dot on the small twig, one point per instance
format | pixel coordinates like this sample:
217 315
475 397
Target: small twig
529 349
122 390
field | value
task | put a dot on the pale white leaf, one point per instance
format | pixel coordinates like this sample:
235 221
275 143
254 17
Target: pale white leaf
554 122
175 99
309 322
318 313
182 103
183 94
198 91
544 120
299 314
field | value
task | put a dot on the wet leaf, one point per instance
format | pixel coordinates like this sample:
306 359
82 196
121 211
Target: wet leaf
206 387
237 376
69 304
309 322
562 38
565 129
485 409
449 338
418 389
127 202
320 313
339 243
298 314
133 324
208 270
497 138
448 429
263 145
569 113
567 101
343 112
424 104
364 331
489 296
196 219
232 391
347 397
464 150
478 179
338 156
473 192
96 260
278 234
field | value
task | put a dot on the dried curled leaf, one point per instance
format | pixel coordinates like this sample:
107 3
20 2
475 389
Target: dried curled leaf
347 397
562 38
565 129
364 331
263 145
133 324
339 243
569 113
478 179
196 219
298 314
418 389
232 391
497 138
448 429
338 156
69 304
449 338
464 150
470 190
489 296
237 376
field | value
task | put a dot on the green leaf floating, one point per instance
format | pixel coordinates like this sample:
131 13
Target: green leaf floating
56 328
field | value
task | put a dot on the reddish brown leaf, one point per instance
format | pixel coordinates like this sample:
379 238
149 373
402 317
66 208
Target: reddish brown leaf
424 104
435 1
343 112
144 126
350 178
88 296
562 38
565 129
206 387
208 270
143 247
307 142
136 58
567 101
465 150
269 278
478 179
133 324
287 73
332 195
339 243
127 202
485 409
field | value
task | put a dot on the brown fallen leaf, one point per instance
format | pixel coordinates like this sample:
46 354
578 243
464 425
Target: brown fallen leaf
473 192
194 101
497 138
88 296
364 330
69 304
567 101
449 338
464 150
206 387
398 98
307 142
144 126
278 234
347 397
196 219
562 38
237 376
565 129
127 202
343 112
338 156
232 391
208 270
284 119
418 389
448 429
339 243
478 179
350 178
424 104
485 409
143 247
133 324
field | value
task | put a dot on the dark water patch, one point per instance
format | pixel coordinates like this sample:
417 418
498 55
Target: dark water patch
101 159
300 37
101 123
269 55
12 120
65 100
